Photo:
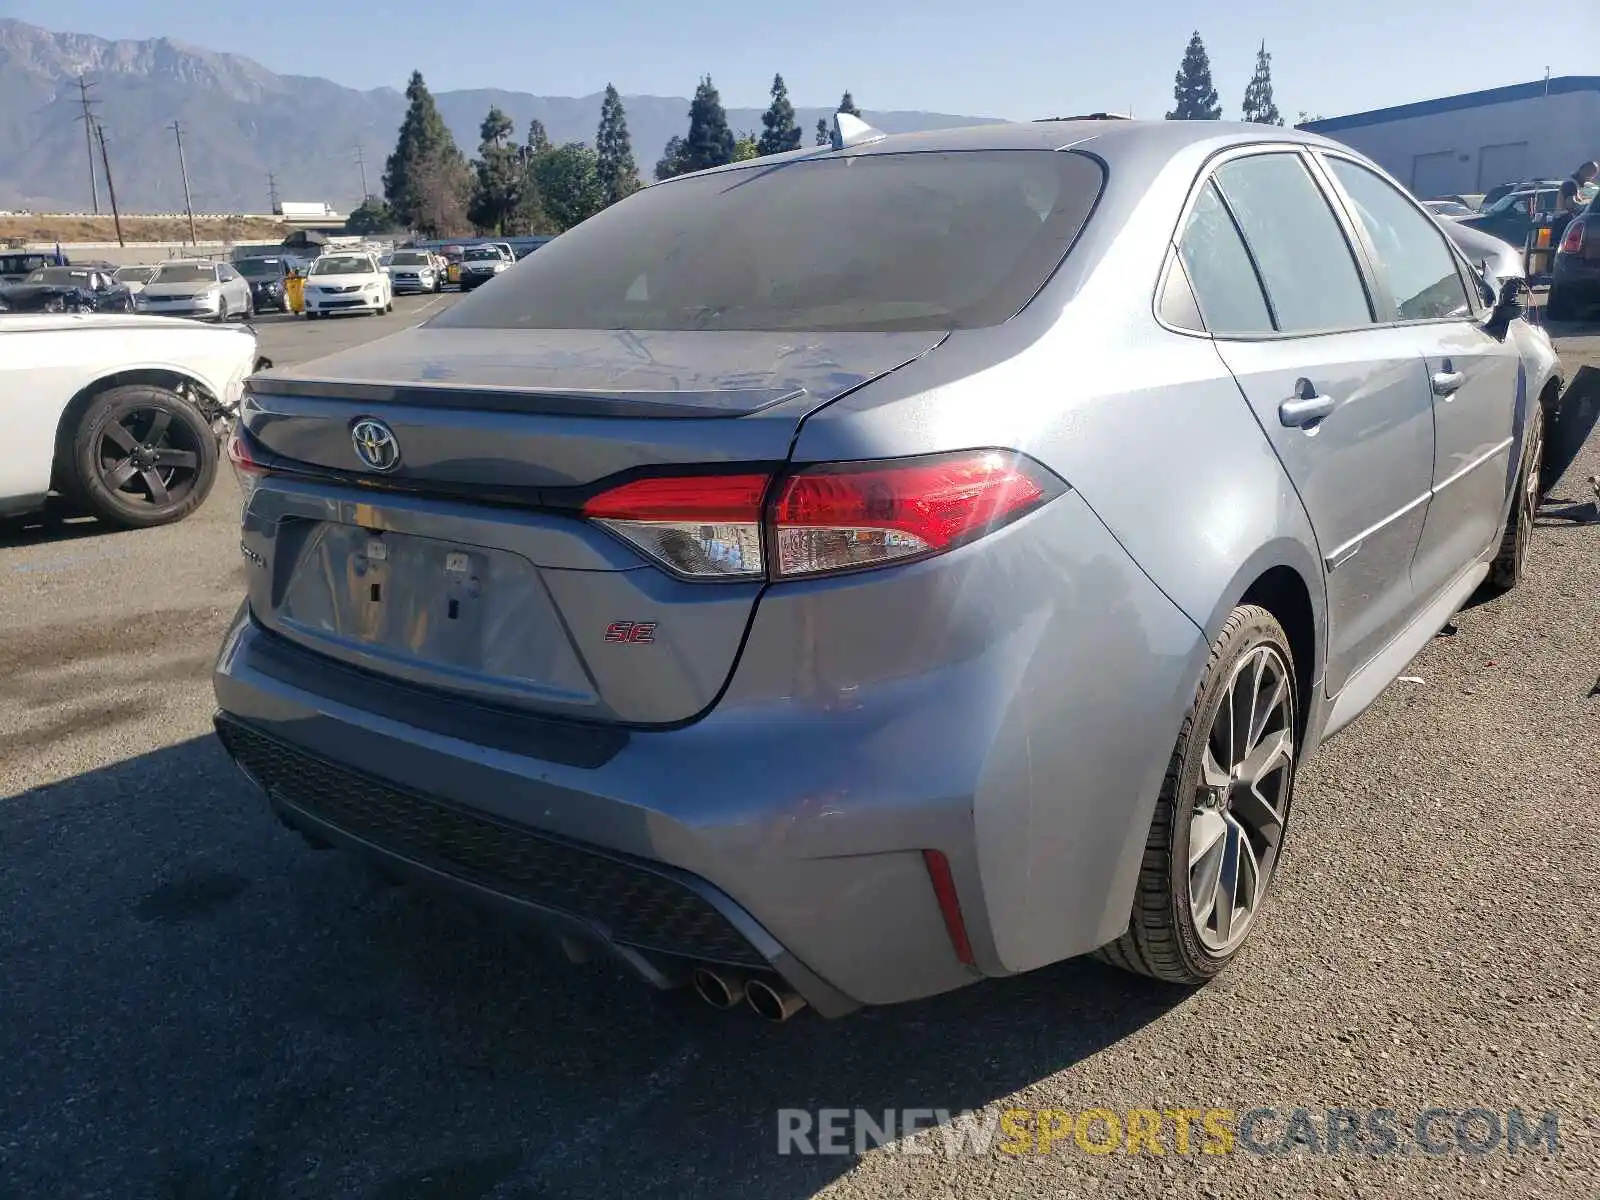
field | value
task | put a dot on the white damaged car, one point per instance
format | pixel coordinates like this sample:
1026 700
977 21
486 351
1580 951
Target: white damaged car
348 283
118 415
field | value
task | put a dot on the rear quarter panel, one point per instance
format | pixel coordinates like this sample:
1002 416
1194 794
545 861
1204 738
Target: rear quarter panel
43 369
1154 436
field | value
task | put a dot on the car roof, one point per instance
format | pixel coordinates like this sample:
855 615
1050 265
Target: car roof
1149 142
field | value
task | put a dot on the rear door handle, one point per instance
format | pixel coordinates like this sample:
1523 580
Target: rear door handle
1307 407
1445 383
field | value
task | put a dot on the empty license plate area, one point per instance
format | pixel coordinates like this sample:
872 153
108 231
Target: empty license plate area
431 611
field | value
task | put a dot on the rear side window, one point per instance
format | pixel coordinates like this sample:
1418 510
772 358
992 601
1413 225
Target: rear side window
1301 253
1413 260
1219 270
911 241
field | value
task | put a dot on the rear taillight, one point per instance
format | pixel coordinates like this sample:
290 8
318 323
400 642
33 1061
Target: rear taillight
1572 240
705 527
823 519
246 466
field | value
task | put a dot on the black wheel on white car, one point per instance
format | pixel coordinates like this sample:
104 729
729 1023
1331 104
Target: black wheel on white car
1219 822
139 456
1511 564
222 310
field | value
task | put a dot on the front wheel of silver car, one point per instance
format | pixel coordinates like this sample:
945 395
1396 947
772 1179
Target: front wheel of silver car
1224 804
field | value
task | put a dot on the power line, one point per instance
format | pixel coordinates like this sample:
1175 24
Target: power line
272 191
361 161
87 118
111 188
183 167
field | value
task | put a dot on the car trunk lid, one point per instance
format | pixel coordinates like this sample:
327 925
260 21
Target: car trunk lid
465 566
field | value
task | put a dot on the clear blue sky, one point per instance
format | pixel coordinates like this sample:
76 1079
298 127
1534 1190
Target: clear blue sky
1007 58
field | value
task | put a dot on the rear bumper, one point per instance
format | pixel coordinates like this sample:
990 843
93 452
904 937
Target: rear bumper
1021 730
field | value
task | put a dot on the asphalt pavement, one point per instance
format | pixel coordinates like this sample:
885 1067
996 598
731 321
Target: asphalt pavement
197 1005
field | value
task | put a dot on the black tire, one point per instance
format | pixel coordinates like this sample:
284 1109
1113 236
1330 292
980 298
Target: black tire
165 457
1510 566
1162 940
1559 305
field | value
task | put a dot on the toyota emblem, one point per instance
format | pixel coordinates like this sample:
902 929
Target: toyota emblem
375 443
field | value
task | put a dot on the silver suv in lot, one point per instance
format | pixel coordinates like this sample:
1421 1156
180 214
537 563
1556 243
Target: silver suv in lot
846 575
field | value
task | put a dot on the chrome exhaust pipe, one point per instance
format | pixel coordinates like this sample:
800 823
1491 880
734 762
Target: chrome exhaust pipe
720 989
773 1000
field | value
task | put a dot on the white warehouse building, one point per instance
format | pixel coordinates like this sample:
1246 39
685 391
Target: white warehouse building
1467 144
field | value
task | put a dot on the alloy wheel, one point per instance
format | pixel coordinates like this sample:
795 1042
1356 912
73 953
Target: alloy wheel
1246 775
1532 473
148 458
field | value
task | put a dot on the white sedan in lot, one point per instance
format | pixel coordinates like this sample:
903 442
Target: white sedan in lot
119 415
348 283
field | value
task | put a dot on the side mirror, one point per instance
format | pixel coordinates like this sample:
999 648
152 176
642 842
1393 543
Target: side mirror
1509 305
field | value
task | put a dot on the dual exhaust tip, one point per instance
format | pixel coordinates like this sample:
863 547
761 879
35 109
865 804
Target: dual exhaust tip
770 998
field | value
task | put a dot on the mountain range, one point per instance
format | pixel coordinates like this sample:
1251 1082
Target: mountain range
241 122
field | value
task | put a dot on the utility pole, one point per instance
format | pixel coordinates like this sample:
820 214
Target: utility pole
361 161
272 191
183 168
88 135
111 188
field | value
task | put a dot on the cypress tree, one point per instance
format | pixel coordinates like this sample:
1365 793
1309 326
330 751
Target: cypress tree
1194 96
619 174
824 135
710 141
425 180
499 174
1258 103
538 139
780 133
847 104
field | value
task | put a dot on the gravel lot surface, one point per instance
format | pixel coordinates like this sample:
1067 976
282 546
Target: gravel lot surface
196 1005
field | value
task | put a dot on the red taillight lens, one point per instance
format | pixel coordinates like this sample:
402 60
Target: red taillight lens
1572 240
246 468
835 517
840 517
702 526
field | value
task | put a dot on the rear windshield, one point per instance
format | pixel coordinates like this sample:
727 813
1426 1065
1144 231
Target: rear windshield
872 242
187 273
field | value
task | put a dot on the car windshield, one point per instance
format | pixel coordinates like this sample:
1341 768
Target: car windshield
480 253
186 273
848 243
135 274
410 258
60 277
260 268
342 264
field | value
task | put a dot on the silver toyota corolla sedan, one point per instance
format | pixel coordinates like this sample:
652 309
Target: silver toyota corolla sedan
843 576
